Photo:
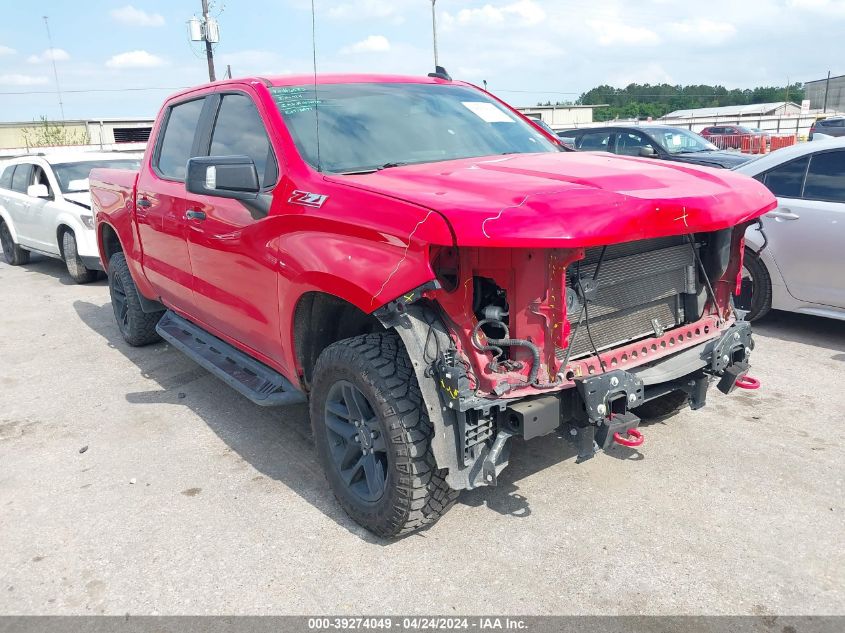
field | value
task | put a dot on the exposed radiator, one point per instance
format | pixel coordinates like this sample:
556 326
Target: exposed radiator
640 290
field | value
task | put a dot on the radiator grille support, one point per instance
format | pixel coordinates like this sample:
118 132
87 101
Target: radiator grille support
640 290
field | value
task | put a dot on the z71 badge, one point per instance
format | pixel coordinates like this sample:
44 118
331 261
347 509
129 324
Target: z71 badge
307 199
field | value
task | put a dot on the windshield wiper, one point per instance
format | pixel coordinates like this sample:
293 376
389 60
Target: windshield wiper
389 165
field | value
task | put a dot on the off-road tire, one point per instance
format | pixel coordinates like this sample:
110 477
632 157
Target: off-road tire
12 253
136 326
416 493
761 295
662 407
75 267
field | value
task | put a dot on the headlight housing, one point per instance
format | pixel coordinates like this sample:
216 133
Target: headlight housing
87 220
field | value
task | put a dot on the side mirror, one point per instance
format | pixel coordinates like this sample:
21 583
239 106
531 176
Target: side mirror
38 191
223 176
648 152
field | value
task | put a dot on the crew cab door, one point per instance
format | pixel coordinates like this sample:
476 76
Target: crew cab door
806 231
160 205
230 242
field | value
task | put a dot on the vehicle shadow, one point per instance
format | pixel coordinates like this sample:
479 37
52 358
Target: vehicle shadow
274 441
56 268
277 442
828 334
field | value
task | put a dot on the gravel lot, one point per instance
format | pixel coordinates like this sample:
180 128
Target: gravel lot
190 499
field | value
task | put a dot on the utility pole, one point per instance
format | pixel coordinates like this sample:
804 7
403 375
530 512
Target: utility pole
209 54
56 72
434 32
826 89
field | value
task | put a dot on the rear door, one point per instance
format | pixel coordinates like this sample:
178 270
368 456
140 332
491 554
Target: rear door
235 274
807 231
160 205
19 205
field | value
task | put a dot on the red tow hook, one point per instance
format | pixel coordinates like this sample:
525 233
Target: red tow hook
747 382
634 439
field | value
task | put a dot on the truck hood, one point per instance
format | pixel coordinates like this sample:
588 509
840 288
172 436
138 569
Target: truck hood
570 199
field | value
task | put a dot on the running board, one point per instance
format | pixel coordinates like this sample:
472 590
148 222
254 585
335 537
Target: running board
256 381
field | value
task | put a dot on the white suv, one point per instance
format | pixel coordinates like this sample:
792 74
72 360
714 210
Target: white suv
45 207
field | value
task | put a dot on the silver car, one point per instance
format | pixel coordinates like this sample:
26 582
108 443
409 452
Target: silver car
794 261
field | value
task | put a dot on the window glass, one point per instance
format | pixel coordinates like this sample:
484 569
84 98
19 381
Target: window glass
178 139
40 178
22 178
595 142
367 126
826 177
6 177
240 131
630 143
786 180
73 177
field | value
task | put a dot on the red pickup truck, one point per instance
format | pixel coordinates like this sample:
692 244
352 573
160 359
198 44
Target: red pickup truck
430 270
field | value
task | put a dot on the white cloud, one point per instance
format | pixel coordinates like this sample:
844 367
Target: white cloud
371 44
520 13
15 79
616 33
5 50
136 17
702 31
51 54
368 10
135 59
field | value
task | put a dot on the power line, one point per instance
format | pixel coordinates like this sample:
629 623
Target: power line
85 90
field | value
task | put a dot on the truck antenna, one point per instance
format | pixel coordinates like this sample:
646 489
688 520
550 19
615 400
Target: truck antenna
316 101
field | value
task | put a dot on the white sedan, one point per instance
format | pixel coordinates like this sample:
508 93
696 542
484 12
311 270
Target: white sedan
795 262
45 207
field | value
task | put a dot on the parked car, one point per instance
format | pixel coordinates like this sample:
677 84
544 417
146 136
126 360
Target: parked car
45 208
421 267
549 131
830 127
653 141
728 136
793 260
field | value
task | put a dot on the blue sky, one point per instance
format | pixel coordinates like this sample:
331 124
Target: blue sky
526 49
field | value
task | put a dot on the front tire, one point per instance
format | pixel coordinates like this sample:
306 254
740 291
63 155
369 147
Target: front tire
373 434
12 253
756 289
75 267
136 326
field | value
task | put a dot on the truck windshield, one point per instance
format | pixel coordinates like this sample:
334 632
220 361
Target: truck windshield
365 127
73 177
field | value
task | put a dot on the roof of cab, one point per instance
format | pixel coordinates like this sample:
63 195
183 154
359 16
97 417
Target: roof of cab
308 80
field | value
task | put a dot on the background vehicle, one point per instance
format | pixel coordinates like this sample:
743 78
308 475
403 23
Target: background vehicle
654 141
832 126
420 266
794 263
45 207
727 136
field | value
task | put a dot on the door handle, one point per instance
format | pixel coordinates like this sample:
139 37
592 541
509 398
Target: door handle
143 203
782 214
195 214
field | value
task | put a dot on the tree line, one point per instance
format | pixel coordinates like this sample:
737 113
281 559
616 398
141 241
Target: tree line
656 100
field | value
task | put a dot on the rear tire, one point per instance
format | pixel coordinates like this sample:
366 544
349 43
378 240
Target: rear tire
136 326
662 407
12 253
756 290
75 267
373 434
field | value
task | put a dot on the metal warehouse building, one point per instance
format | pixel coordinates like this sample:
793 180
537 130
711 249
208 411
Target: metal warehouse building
815 90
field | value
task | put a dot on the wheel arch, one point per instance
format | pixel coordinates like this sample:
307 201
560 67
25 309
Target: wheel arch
7 220
108 242
320 319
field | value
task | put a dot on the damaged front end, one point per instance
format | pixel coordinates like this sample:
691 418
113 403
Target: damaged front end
518 342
